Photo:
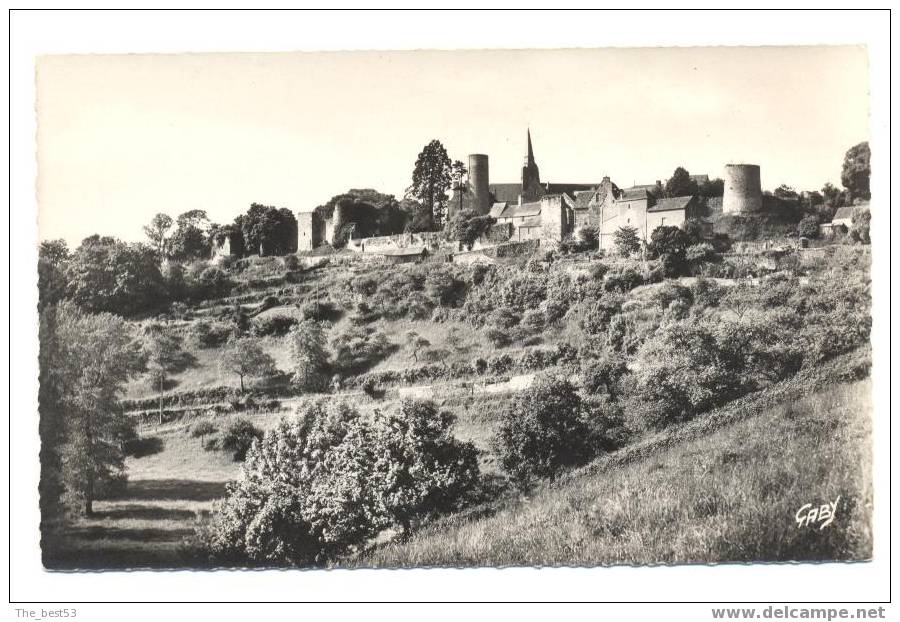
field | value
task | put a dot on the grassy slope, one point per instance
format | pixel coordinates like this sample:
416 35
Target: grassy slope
724 487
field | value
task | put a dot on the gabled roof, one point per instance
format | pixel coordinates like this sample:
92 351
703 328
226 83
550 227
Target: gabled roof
569 189
670 204
531 221
497 209
633 194
515 210
845 212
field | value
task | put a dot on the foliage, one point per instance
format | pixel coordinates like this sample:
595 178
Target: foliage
859 230
627 241
808 227
106 274
245 357
164 356
420 468
326 481
680 184
430 181
276 324
443 288
53 257
309 359
268 230
158 234
544 431
203 334
203 428
85 360
370 212
856 171
670 244
357 348
191 238
468 226
238 437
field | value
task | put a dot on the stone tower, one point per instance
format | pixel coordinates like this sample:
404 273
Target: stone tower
531 176
743 192
478 183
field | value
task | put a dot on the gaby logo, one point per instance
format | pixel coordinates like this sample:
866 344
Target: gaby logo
816 515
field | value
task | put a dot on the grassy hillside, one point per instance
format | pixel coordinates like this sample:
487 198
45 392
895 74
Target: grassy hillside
724 487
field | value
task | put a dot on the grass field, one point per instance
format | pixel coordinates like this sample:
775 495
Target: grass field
724 487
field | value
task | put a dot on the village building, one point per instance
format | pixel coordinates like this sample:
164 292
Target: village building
639 208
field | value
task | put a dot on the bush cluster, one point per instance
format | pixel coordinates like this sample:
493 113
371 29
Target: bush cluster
321 484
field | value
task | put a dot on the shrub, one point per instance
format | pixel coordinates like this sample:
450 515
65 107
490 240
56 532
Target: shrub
214 283
275 324
669 244
808 227
203 428
498 336
672 292
291 262
359 348
627 241
319 311
238 437
203 334
622 281
532 322
421 469
545 430
309 359
330 479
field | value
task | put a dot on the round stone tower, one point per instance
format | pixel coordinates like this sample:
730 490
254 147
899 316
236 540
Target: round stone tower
338 219
743 192
478 182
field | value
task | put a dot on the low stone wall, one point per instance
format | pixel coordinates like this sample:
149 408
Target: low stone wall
432 240
487 254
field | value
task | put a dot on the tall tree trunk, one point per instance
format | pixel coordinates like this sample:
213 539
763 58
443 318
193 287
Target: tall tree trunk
161 381
242 383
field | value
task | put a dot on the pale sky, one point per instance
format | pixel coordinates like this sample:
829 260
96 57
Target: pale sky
121 138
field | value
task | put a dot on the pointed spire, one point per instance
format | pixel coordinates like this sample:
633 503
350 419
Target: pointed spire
529 157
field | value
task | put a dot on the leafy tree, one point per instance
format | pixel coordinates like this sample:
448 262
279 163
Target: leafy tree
627 241
53 258
164 356
856 171
320 484
309 357
245 357
680 184
268 230
808 227
833 196
604 375
670 245
106 274
430 182
420 468
85 361
786 193
467 227
712 188
458 174
158 234
191 239
860 226
416 343
544 431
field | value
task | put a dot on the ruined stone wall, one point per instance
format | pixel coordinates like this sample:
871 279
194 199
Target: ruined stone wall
555 220
309 231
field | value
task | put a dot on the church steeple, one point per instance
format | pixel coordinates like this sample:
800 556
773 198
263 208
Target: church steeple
531 176
529 156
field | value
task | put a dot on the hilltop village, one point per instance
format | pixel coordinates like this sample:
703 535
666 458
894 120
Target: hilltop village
519 217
